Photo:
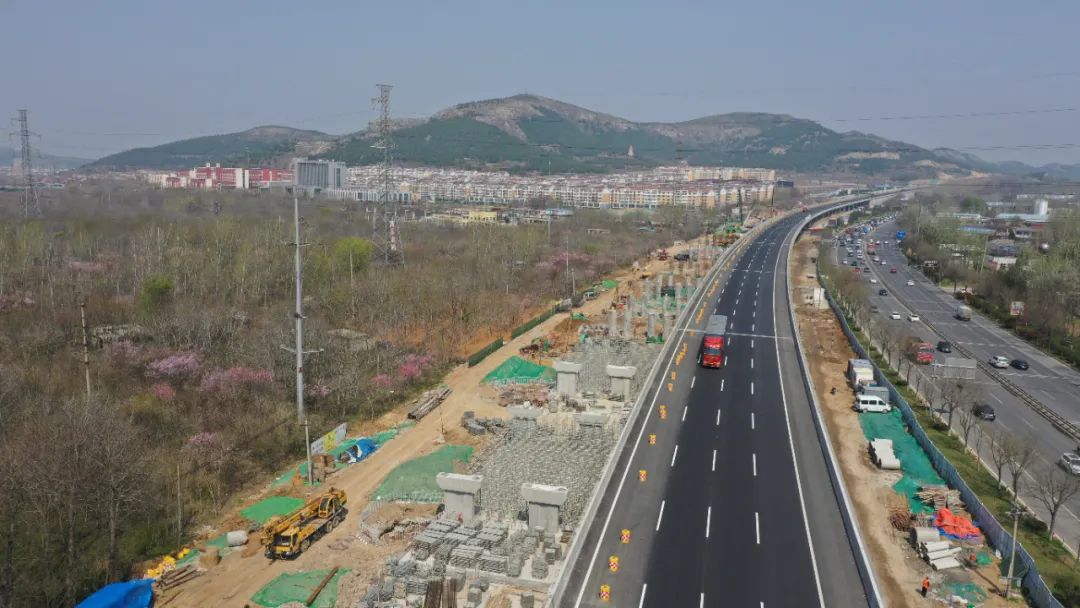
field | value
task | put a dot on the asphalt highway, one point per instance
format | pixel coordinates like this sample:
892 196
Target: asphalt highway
734 507
1013 415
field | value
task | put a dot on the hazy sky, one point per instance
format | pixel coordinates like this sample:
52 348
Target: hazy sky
104 76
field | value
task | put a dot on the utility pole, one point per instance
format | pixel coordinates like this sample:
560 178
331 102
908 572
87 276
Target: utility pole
31 207
301 413
1016 511
85 345
385 232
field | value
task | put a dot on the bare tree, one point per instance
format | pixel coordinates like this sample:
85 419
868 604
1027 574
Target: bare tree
1053 488
1000 451
1023 451
954 394
968 421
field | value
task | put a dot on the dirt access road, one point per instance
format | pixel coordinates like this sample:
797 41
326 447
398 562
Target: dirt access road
899 571
237 578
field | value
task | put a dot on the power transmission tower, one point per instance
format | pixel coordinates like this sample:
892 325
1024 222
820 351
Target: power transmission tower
384 224
31 207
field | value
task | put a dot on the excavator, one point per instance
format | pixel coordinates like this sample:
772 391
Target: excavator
288 537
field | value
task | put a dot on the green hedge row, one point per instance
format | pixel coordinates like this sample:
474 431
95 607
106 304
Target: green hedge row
526 326
479 355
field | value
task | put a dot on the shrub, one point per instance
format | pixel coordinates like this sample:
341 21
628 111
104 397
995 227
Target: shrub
235 378
180 365
156 292
163 391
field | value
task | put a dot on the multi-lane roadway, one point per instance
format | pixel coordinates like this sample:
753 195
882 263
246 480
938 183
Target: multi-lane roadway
722 497
1050 381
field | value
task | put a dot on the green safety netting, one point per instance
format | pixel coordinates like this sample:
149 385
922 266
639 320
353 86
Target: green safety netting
609 283
516 369
266 508
297 586
918 471
414 481
972 593
577 316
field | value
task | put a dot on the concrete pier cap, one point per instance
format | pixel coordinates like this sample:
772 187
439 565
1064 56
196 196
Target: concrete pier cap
456 482
544 494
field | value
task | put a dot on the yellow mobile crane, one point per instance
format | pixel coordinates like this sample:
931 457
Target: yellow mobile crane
290 536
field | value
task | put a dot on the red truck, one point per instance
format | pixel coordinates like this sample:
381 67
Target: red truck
713 342
920 352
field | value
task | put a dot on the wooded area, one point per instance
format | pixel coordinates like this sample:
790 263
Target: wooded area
188 300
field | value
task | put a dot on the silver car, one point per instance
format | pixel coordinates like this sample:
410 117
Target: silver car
1070 461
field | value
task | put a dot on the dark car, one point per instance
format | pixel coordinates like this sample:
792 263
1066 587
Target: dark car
944 347
883 292
983 411
682 257
1019 364
854 263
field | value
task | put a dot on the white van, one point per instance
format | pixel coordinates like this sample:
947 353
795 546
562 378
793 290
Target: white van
871 403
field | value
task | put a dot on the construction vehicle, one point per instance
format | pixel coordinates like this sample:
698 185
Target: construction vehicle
288 537
661 255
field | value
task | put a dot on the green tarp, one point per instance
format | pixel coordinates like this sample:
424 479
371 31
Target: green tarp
414 481
266 508
297 586
610 283
516 369
918 471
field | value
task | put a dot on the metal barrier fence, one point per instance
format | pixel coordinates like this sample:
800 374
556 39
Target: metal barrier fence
1033 585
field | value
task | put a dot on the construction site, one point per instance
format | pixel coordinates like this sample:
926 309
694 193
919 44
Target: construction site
470 496
914 525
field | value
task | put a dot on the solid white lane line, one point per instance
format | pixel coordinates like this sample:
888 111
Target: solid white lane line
751 387
685 409
717 416
660 517
645 586
714 460
757 527
708 521
754 456
751 421
674 454
692 381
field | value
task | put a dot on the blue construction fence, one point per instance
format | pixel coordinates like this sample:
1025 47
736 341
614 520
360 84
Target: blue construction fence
1036 589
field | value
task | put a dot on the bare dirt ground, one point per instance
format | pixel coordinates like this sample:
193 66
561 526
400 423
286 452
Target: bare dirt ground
898 568
237 578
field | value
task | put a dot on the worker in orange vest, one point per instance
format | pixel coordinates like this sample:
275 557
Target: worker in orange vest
925 585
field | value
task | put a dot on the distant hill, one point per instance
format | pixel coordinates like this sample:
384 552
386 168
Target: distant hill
533 133
529 132
261 144
45 162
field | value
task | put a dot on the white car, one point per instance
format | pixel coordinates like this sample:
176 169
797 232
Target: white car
873 280
999 362
882 262
1070 461
895 316
910 283
913 317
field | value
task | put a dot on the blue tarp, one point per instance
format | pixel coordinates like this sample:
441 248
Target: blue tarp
132 594
361 450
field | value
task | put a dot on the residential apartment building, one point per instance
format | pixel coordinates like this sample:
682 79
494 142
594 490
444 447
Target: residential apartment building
216 177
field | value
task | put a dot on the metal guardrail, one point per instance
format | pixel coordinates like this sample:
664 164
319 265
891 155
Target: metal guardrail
1057 420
